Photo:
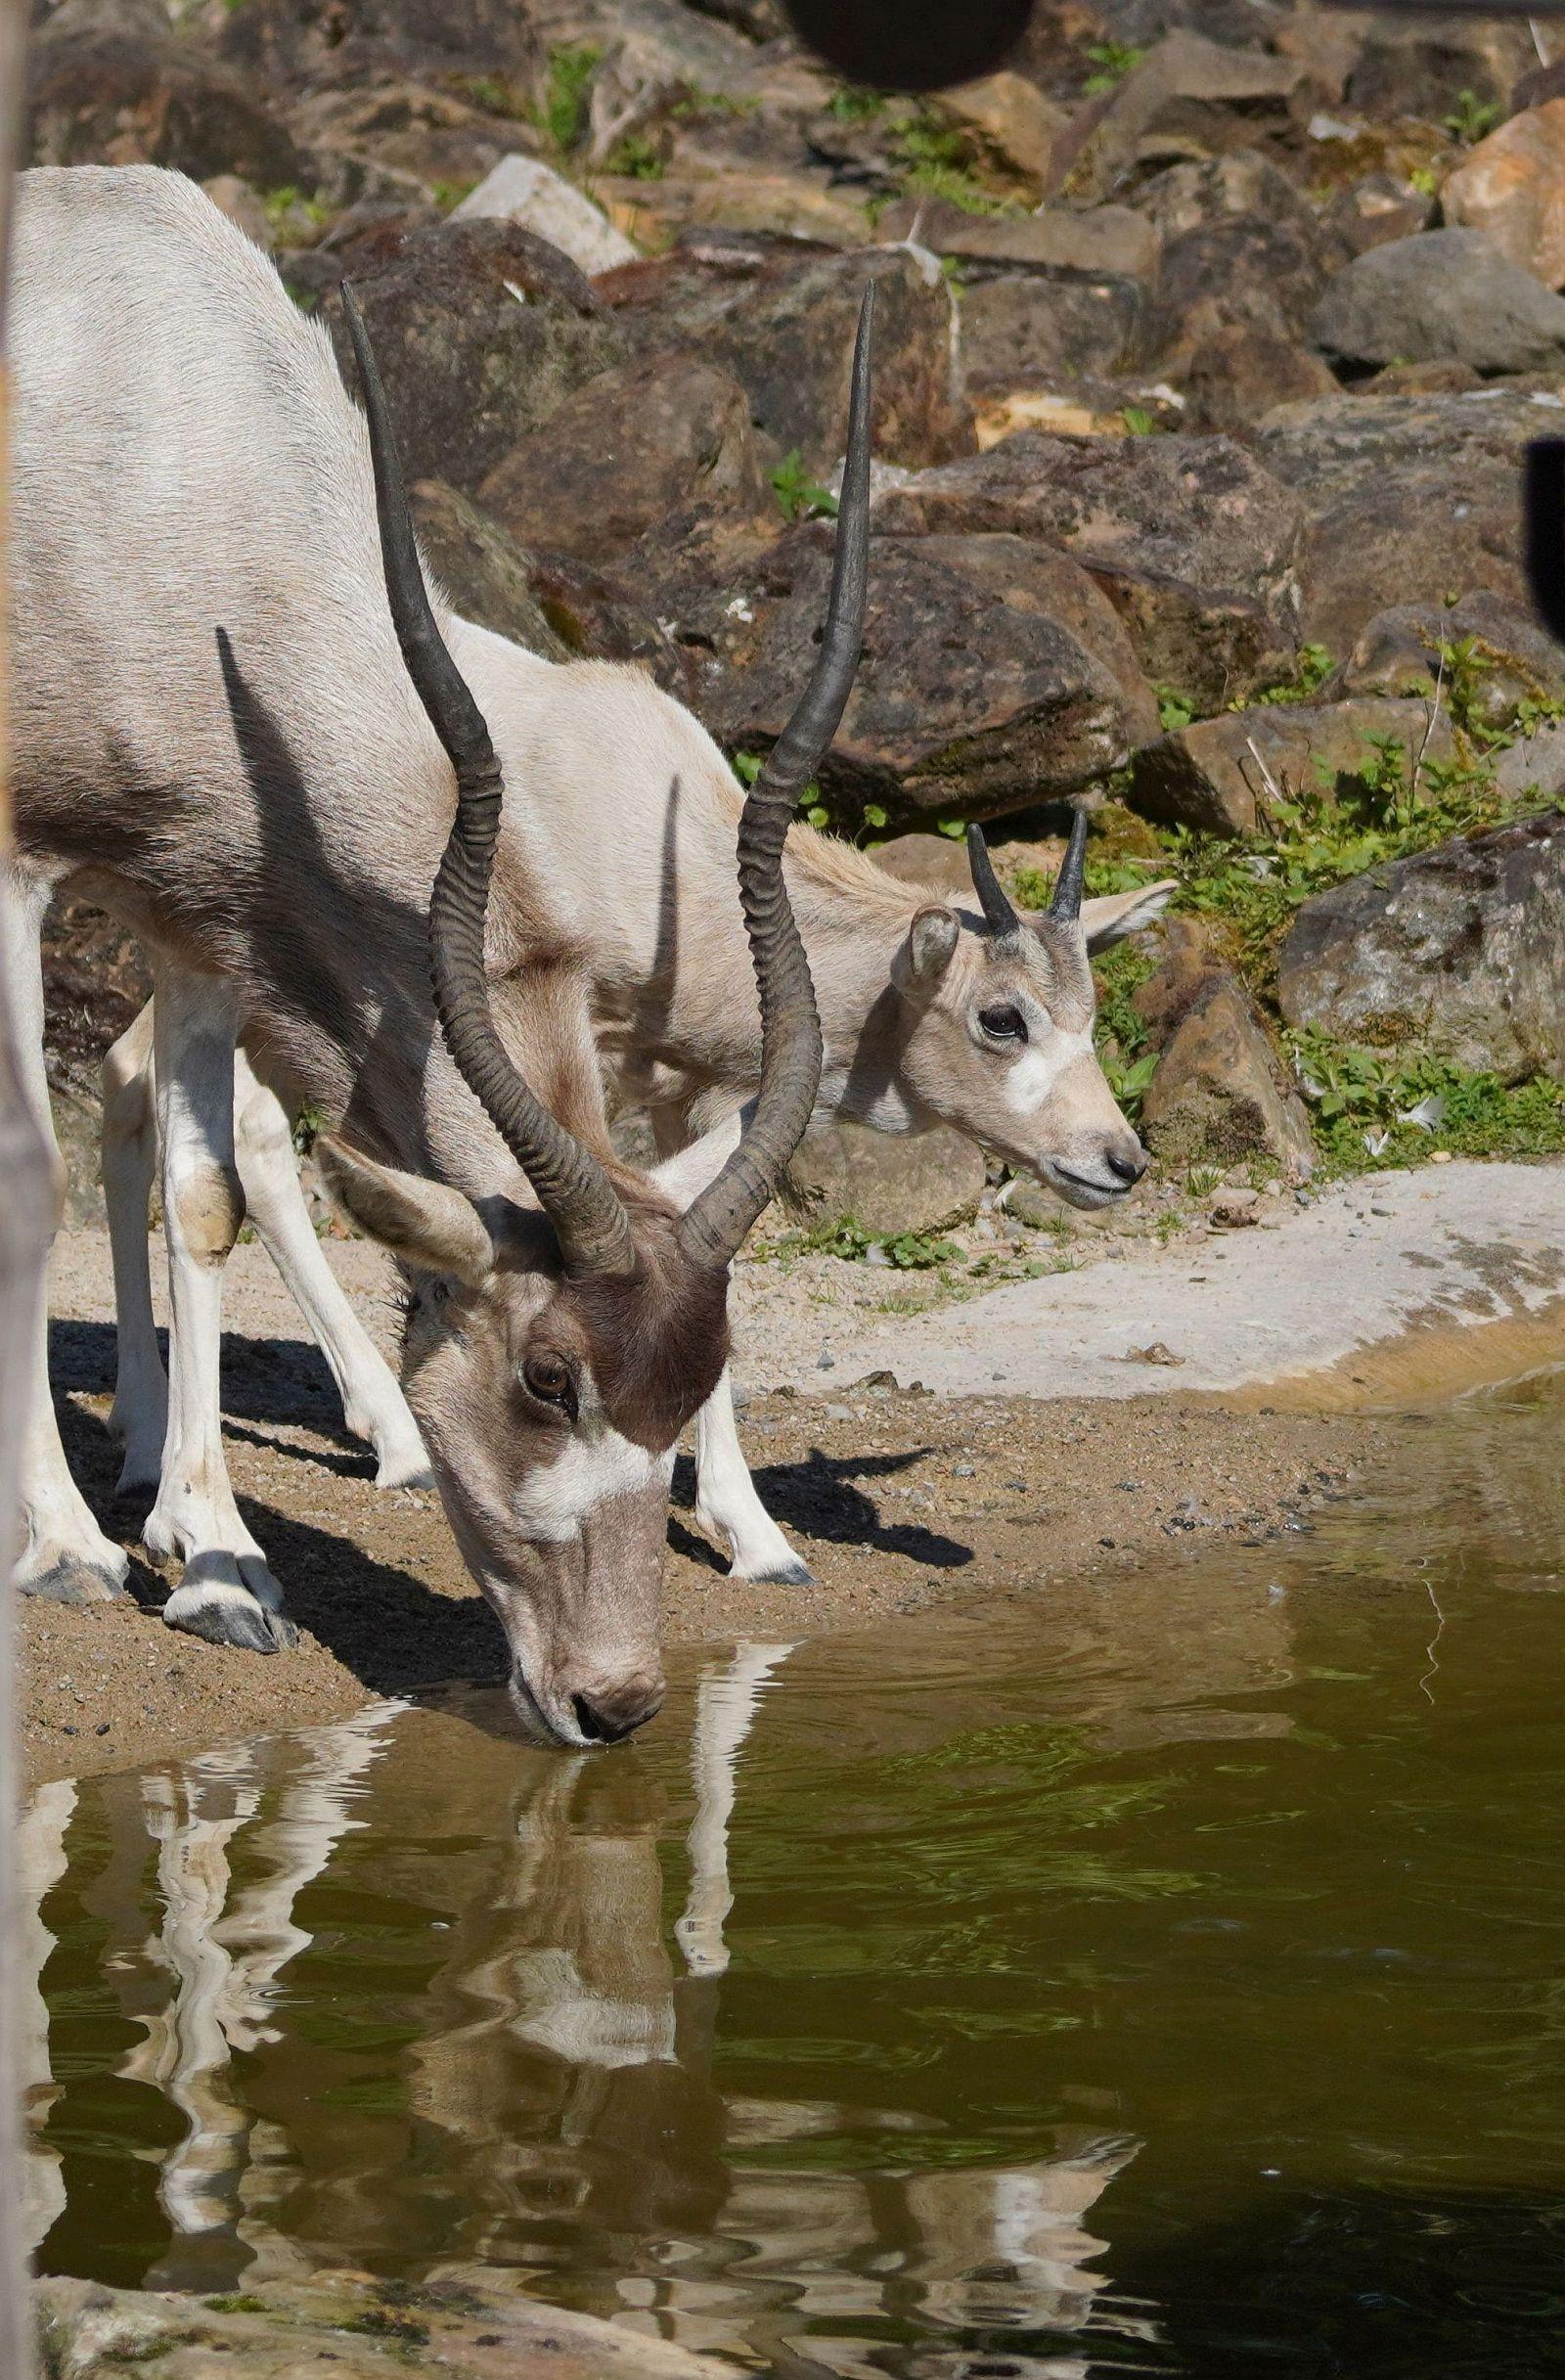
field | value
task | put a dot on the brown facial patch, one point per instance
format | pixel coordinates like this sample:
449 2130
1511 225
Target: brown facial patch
656 1344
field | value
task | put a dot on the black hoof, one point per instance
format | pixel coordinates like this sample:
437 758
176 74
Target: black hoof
227 1615
70 1582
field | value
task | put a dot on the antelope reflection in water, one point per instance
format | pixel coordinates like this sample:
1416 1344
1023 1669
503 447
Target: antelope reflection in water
555 2107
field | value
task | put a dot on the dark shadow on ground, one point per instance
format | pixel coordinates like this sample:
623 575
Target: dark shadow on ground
391 1630
821 1500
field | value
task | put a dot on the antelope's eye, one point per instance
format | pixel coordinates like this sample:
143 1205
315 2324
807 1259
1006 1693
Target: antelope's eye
1004 1024
548 1375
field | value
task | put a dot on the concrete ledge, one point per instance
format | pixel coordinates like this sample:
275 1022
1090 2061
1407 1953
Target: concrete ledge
1376 1264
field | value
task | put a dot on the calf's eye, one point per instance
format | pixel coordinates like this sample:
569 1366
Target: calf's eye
1004 1024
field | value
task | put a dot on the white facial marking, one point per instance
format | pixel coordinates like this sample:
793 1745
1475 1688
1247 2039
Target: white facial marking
1031 1080
552 1501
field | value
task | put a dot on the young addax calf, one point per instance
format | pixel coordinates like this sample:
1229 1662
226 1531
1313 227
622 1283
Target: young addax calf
932 1012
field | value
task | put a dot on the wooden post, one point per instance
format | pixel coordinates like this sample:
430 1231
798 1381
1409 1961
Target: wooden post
26 1222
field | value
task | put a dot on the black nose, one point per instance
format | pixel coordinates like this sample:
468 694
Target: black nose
1127 1169
612 1715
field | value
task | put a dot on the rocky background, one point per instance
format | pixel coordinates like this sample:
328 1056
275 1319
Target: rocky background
1212 335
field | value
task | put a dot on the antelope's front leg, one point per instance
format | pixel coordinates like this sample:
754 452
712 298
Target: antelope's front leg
65 1556
225 1593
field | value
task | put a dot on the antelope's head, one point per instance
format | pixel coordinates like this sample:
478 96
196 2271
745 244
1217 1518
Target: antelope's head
994 1026
554 1352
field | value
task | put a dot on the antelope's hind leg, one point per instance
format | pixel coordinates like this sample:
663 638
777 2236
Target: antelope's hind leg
65 1555
139 1416
727 1500
226 1593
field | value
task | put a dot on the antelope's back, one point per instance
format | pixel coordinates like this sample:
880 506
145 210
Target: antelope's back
196 574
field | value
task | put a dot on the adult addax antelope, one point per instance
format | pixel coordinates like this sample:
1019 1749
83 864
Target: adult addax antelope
227 736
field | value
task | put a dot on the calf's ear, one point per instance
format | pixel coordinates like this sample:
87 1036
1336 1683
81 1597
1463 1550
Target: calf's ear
1112 916
928 950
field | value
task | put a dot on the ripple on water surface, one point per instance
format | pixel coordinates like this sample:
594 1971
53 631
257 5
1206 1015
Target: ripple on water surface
1165 1975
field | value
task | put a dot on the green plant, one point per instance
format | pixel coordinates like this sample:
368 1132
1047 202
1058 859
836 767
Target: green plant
1425 181
798 495
847 1239
1392 1108
747 767
306 1124
1137 421
852 103
637 158
239 2303
1472 118
1112 61
937 161
1174 709
1202 1180
562 111
286 206
495 95
449 195
1312 666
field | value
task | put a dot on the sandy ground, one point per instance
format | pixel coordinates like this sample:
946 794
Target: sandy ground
898 1500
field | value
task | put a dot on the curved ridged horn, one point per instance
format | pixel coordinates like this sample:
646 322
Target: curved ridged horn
714 1227
1065 903
999 916
570 1185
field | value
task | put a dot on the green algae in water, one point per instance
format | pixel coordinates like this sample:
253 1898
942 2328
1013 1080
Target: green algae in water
1165 1975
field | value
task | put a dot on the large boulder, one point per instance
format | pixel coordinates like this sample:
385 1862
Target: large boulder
523 190
1251 269
1369 212
1020 329
1187 97
965 703
624 451
1240 247
1197 193
1511 188
342 2323
1446 295
1220 1094
401 141
1418 64
1034 582
1407 499
890 1182
1460 950
480 331
1009 118
782 315
1110 242
1224 776
487 576
104 90
1194 544
283 42
1235 371
1494 659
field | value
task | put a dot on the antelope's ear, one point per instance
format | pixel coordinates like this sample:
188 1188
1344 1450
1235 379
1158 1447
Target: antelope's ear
928 950
1108 919
426 1225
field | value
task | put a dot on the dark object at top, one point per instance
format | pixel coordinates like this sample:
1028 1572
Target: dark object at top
912 45
1463 8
